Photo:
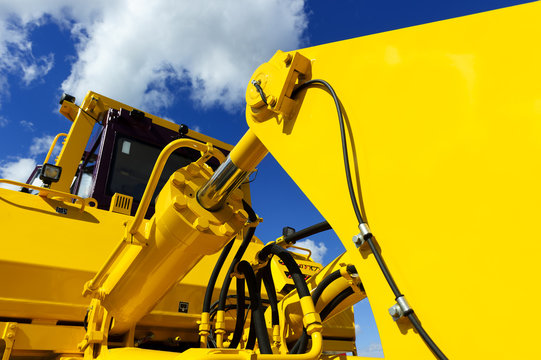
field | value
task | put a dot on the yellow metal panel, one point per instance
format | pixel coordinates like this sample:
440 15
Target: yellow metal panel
446 126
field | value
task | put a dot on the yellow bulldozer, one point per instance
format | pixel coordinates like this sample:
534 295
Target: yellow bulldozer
420 147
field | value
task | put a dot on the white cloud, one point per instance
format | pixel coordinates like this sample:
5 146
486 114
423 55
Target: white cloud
318 250
3 121
28 125
39 68
372 350
42 145
18 170
140 52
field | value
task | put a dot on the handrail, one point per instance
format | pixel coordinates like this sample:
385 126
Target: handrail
53 145
157 171
44 192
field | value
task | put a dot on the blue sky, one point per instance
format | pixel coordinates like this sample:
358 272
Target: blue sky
186 61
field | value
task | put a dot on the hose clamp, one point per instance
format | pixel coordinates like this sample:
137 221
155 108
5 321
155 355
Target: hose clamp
400 309
364 234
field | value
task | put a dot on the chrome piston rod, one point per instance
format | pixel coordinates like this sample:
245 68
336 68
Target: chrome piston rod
227 178
242 160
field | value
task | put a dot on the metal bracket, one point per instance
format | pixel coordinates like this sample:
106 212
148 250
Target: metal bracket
272 84
8 331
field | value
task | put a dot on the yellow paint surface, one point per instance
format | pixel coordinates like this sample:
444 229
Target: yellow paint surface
446 132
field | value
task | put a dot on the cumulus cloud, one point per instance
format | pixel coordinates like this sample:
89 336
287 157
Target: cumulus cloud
318 250
41 145
144 53
18 170
372 350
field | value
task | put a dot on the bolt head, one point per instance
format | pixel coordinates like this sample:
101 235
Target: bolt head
178 179
201 224
271 100
226 229
180 202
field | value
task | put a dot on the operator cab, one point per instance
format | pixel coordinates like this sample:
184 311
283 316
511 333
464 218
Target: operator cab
122 152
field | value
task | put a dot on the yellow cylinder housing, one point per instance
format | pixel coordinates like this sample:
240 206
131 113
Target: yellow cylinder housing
179 234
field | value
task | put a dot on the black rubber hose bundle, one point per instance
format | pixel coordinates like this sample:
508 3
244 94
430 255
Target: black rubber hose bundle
271 293
290 263
214 275
258 311
241 307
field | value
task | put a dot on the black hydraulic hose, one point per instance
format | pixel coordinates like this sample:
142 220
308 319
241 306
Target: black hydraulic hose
214 306
290 263
309 231
250 343
302 342
241 307
426 338
335 302
258 312
238 256
214 275
342 135
369 238
271 292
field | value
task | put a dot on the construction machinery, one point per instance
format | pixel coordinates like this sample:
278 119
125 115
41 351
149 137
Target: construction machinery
418 146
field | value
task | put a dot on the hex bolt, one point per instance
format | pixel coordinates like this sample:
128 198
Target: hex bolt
178 179
226 229
193 169
395 311
201 224
180 202
271 100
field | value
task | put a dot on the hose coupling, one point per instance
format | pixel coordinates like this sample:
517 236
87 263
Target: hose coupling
364 234
204 325
400 309
311 319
